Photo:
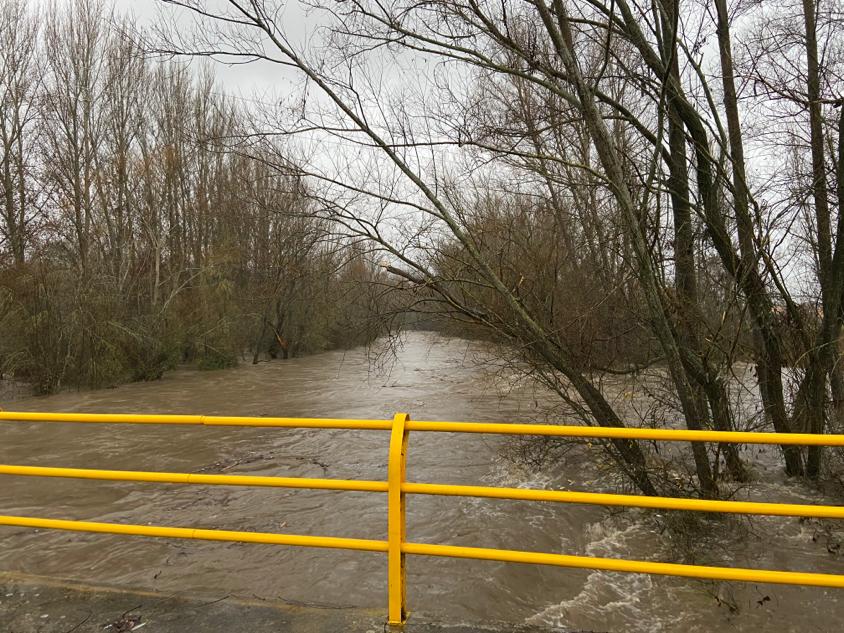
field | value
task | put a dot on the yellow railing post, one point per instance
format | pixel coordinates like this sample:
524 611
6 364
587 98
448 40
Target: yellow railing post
396 527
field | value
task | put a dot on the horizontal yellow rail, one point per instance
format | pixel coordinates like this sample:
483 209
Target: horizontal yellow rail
196 420
608 432
451 551
630 501
331 542
630 566
516 494
188 478
496 428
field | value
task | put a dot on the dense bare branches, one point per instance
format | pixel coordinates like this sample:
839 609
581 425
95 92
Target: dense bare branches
596 154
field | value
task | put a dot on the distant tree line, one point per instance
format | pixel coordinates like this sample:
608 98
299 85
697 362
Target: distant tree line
132 235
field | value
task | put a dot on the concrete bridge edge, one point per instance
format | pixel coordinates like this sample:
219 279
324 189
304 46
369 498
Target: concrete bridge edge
38 604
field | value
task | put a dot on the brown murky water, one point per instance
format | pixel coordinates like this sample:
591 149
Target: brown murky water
433 378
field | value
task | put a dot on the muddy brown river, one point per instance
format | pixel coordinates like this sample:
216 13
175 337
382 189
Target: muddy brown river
433 378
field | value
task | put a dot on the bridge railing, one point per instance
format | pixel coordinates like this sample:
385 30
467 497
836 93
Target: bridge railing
397 488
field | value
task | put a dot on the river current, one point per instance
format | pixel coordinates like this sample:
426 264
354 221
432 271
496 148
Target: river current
433 378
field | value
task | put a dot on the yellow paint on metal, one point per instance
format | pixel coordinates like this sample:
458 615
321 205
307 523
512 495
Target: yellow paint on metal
198 420
629 566
332 542
299 423
451 551
632 501
670 435
102 418
200 479
396 525
518 494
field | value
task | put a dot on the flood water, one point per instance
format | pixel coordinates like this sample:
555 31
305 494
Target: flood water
432 378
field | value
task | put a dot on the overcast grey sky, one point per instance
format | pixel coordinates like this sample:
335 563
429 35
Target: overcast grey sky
334 156
259 80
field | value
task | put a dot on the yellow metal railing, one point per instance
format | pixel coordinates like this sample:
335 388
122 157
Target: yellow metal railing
396 546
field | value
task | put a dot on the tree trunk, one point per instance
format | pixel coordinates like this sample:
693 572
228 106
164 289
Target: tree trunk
688 301
563 41
769 355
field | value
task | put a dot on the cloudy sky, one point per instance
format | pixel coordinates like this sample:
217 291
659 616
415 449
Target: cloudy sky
335 156
258 80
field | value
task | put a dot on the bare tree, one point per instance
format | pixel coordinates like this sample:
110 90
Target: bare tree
73 125
133 235
20 83
631 83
